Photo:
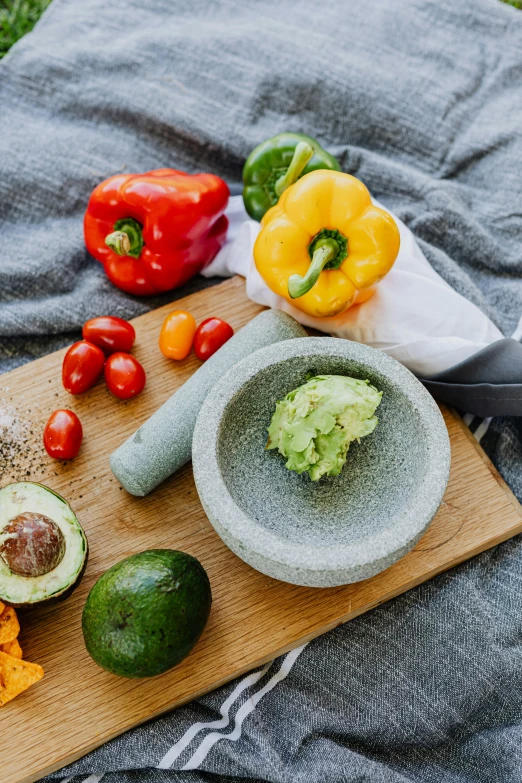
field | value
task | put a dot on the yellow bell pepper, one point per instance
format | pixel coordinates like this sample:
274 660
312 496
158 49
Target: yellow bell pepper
324 245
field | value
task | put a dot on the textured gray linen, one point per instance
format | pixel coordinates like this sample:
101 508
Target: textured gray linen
423 101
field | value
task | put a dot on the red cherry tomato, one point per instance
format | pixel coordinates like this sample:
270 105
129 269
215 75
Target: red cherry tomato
82 366
124 375
210 336
63 435
110 333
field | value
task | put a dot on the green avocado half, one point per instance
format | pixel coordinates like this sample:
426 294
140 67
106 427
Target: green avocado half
146 613
43 547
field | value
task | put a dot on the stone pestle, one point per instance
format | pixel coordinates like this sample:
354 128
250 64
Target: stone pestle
163 444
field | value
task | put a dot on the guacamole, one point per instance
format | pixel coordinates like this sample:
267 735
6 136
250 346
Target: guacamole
314 424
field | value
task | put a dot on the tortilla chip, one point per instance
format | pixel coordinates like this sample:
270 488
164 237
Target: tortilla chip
2 607
9 625
16 676
12 648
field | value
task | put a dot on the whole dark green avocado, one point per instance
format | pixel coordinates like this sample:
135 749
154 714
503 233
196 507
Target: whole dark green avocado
146 613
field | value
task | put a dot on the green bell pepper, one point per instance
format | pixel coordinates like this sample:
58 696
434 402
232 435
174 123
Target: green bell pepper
276 164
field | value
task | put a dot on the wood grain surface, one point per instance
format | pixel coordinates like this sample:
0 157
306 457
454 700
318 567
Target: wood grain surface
77 706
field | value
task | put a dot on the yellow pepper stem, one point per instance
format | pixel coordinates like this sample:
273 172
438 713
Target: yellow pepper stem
302 154
325 252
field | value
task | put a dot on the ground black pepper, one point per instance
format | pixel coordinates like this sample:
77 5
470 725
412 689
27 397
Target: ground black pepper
20 455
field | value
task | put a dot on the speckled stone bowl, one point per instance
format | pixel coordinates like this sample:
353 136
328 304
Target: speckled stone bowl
340 529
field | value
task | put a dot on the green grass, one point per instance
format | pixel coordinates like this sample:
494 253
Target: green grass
18 17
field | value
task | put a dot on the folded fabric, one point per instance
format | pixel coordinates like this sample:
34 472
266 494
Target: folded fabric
487 384
415 316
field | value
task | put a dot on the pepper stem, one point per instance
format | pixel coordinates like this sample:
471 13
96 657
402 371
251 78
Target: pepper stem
325 252
119 242
302 154
127 238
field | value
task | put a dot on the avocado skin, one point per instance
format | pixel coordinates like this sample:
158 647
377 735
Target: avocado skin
146 613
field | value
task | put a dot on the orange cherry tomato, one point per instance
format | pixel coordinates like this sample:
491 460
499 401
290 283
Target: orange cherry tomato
63 435
177 335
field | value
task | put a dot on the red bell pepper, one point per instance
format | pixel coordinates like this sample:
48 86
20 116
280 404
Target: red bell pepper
154 231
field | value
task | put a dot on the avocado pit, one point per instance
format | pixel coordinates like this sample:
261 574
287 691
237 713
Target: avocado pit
32 545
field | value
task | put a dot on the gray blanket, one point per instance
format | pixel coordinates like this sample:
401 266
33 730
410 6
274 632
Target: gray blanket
420 99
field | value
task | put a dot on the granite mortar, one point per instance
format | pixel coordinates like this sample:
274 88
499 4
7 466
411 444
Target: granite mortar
341 529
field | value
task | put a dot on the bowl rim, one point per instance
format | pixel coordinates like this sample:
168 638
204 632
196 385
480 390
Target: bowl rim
233 524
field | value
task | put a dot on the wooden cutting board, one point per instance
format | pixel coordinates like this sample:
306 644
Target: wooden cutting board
77 706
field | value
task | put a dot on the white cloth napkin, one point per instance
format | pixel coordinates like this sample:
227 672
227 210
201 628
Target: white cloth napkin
415 316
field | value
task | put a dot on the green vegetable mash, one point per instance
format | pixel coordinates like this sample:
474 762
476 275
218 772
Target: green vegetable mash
314 424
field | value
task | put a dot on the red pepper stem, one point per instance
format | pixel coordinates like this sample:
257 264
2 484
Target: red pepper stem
119 242
127 238
302 154
324 253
